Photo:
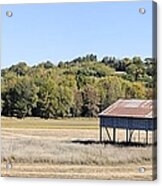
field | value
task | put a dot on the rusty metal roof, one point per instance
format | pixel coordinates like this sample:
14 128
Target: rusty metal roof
133 108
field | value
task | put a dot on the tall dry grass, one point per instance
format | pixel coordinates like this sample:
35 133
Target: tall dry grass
28 150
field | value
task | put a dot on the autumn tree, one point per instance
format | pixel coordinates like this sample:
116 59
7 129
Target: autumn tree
90 102
81 87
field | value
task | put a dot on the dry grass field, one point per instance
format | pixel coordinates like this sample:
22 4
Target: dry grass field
69 148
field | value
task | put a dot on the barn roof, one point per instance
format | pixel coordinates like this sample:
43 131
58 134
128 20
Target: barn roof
133 108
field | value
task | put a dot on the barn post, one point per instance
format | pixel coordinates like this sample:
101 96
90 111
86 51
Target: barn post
127 135
114 134
131 134
139 136
100 133
146 137
108 134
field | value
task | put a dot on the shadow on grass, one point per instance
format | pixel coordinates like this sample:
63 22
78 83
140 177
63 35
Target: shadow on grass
121 144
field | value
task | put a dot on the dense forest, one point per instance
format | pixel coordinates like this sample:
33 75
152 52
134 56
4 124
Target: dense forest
81 87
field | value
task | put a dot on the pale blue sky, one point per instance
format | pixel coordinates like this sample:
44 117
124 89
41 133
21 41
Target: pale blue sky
40 32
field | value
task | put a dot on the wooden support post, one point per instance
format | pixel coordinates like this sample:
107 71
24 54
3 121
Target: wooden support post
146 137
139 137
127 135
114 135
100 133
130 136
108 134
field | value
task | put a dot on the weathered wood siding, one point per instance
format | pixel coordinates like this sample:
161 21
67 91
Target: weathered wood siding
129 123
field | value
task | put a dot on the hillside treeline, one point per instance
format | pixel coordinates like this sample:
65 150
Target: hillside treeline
79 88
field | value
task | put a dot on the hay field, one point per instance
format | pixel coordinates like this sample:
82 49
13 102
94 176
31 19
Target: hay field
69 148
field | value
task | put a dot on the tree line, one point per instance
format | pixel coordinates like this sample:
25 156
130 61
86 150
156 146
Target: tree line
82 87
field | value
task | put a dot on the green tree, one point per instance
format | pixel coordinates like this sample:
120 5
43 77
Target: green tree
53 100
81 87
20 99
135 90
47 99
135 72
110 89
46 65
20 69
77 106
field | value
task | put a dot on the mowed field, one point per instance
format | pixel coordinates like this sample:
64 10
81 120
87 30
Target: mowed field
70 148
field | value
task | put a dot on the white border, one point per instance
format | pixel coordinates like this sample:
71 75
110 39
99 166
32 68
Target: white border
53 182
57 1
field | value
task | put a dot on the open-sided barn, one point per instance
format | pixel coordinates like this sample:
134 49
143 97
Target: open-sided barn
130 115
